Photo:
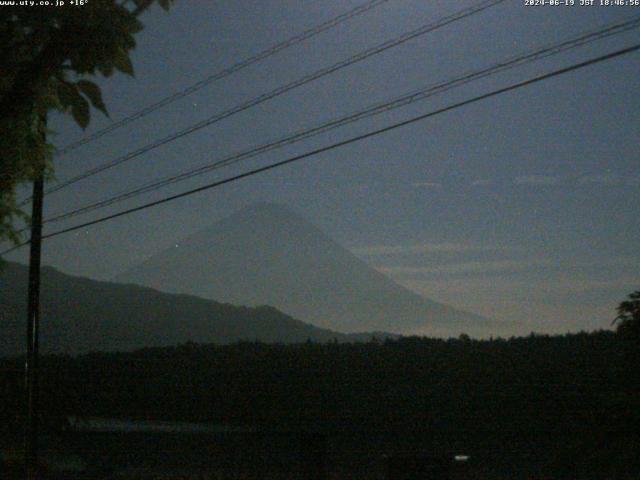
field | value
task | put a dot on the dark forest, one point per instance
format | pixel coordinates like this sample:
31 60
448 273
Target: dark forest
572 401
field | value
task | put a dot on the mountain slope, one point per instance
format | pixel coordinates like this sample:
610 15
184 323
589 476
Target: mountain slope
80 315
265 254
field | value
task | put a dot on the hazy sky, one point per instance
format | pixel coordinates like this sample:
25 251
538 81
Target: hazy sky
522 207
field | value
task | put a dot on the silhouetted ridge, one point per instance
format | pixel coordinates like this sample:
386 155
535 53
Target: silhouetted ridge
80 315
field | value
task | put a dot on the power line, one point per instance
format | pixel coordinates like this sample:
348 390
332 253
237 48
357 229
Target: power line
307 34
376 109
286 88
281 90
333 146
220 75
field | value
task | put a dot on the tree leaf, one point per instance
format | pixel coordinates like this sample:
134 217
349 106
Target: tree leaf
93 93
122 62
136 26
66 92
105 68
70 98
80 111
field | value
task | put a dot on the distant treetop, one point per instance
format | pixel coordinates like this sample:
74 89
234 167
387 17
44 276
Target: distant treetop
628 318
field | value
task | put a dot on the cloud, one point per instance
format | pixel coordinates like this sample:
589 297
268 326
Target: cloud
380 250
536 180
564 268
600 179
360 187
468 267
524 301
633 181
481 182
577 286
427 185
553 300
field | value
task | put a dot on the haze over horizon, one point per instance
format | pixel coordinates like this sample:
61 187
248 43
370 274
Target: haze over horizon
521 208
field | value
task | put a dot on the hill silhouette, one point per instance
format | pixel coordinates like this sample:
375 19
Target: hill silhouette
266 254
81 315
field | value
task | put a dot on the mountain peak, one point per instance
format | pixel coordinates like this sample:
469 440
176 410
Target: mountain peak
266 254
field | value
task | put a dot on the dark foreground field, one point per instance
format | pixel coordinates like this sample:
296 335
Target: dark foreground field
346 455
537 408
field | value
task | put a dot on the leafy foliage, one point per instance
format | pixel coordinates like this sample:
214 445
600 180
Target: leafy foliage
46 56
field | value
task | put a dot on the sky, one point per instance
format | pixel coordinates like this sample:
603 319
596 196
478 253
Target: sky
521 208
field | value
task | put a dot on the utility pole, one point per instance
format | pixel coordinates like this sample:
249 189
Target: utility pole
33 325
